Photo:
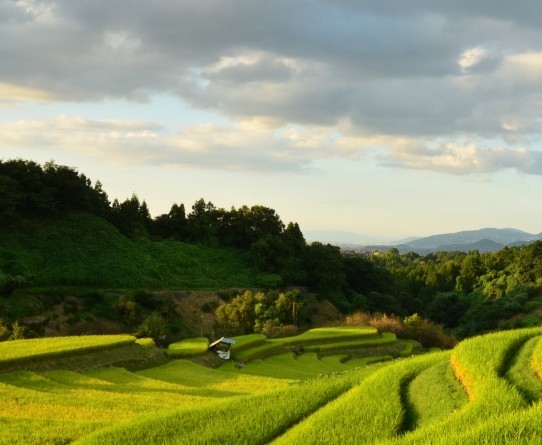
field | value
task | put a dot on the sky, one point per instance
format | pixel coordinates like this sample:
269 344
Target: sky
366 120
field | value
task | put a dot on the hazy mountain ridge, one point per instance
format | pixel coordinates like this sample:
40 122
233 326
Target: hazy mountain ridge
484 240
500 236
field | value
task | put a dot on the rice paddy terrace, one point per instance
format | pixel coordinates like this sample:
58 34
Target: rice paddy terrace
322 387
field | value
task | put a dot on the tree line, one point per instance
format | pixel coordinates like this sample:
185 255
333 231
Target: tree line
467 292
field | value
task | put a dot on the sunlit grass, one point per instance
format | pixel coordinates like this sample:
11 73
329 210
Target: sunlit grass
370 411
217 382
29 349
247 341
334 333
434 394
479 363
263 417
521 373
536 360
294 367
386 338
314 340
190 347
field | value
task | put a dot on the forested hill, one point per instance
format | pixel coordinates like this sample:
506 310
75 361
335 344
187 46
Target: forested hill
58 230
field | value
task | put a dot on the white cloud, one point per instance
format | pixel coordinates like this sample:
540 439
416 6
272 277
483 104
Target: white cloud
474 58
121 41
11 95
197 146
466 158
37 10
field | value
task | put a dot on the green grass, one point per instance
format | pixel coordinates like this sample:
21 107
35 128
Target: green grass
318 339
433 395
330 334
190 347
368 412
386 338
25 350
213 424
536 360
522 375
479 363
293 367
260 350
243 342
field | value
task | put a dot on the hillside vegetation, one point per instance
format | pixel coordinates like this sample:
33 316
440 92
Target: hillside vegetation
486 390
82 250
68 250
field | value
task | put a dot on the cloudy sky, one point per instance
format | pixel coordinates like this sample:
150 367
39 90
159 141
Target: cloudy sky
382 118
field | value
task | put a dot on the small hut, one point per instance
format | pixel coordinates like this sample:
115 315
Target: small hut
222 347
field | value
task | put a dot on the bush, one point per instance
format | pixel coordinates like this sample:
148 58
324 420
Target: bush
288 330
416 327
154 326
210 306
17 331
428 333
146 300
127 311
269 280
4 331
382 322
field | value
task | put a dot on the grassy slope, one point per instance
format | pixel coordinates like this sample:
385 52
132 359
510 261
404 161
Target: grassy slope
82 250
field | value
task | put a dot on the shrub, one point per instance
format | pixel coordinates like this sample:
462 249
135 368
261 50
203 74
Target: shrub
210 306
416 327
382 322
428 333
269 281
154 326
4 331
127 310
17 331
146 300
288 331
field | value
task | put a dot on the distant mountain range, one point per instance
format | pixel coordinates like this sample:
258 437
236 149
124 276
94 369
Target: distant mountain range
337 237
483 240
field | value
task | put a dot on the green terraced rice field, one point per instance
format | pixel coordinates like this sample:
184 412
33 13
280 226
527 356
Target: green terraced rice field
314 340
24 350
485 391
188 348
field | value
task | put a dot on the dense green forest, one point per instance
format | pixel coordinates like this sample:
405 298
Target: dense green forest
60 229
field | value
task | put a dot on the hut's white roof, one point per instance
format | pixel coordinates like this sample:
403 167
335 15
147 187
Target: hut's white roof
228 341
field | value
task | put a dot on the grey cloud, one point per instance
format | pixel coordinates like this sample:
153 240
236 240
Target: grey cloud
389 68
176 36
